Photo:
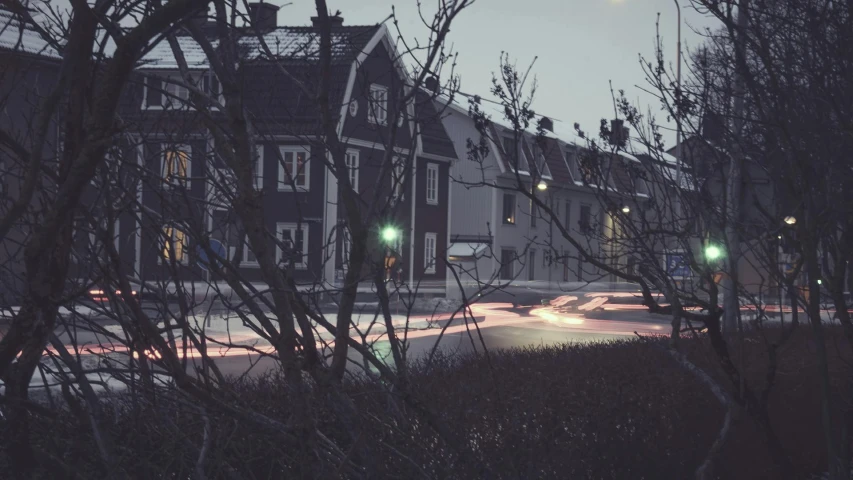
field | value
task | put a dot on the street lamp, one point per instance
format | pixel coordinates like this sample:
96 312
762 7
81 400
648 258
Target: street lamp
626 209
542 185
713 252
790 220
389 234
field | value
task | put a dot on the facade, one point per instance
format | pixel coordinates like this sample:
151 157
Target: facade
163 182
185 182
29 68
498 237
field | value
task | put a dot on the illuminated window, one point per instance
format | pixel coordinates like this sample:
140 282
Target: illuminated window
176 165
509 209
294 170
175 242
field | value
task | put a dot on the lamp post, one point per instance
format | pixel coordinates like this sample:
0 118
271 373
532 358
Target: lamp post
678 115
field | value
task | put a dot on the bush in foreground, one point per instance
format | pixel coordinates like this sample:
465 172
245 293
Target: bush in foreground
611 410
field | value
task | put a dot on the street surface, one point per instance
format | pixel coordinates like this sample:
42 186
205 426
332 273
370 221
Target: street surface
577 317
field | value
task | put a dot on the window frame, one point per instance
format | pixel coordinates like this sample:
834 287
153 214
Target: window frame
283 185
293 228
258 171
351 159
373 113
430 240
505 218
585 227
245 261
432 169
507 266
173 180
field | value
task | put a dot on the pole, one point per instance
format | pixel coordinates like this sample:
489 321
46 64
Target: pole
678 117
731 304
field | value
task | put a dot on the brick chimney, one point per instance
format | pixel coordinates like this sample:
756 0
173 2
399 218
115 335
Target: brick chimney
431 84
337 21
619 133
264 16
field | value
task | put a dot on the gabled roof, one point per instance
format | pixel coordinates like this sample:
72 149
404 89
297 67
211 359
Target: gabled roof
19 37
289 44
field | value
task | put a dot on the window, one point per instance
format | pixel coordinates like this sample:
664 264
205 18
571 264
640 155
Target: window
568 215
429 253
294 170
565 266
432 184
351 160
175 241
534 212
572 160
171 91
586 218
259 167
546 258
224 231
507 260
510 148
294 240
176 165
249 258
176 94
509 209
377 111
346 246
397 178
514 153
531 265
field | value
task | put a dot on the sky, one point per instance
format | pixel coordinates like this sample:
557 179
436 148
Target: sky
580 45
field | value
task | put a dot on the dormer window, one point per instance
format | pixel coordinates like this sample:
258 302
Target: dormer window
171 91
377 111
514 153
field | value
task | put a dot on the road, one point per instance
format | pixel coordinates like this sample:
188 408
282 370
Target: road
574 318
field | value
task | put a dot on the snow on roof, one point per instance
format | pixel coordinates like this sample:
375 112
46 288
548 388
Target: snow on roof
297 43
16 36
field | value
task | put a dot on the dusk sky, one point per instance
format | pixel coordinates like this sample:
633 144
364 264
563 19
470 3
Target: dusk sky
581 45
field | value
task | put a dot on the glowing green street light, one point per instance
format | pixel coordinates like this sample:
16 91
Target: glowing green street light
713 252
389 234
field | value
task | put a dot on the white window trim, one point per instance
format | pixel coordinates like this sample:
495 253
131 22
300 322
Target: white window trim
429 266
245 262
432 169
258 172
283 184
372 111
166 148
353 168
293 227
398 171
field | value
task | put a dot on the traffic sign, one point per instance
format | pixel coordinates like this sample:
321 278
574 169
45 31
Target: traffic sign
217 247
676 265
